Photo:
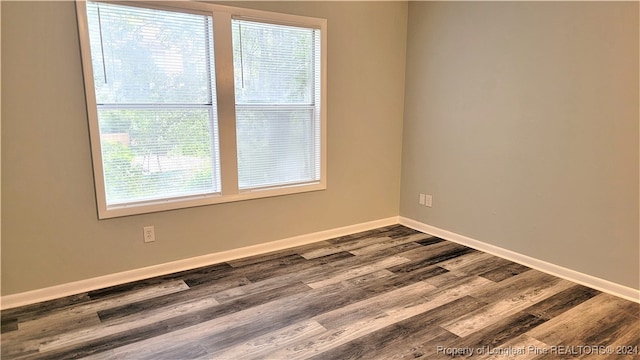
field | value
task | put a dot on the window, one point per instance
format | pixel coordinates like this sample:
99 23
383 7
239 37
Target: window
194 104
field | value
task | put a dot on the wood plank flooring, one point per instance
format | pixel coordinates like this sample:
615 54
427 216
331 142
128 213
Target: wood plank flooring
388 293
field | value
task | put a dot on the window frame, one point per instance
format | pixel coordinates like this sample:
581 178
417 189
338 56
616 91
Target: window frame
226 106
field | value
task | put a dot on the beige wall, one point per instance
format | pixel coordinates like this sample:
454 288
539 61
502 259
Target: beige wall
521 119
50 231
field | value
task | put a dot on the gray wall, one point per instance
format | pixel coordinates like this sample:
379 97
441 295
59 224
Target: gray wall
521 119
50 231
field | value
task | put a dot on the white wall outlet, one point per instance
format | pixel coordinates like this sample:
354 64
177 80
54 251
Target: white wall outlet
149 234
421 201
428 200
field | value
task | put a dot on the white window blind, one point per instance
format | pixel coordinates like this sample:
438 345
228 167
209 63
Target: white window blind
166 134
155 95
277 89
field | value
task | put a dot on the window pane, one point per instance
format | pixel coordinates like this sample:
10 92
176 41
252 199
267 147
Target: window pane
273 64
276 147
277 87
157 154
148 56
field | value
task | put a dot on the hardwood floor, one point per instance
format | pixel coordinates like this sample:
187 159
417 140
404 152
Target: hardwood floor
389 293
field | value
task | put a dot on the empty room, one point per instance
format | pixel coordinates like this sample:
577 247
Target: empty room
320 179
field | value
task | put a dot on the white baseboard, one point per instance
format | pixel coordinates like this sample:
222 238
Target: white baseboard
556 270
77 287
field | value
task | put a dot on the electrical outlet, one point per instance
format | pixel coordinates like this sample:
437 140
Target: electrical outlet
149 234
421 201
428 200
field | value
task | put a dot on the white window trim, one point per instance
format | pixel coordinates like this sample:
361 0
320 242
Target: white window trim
222 16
